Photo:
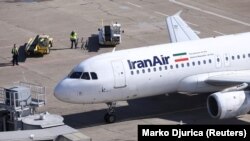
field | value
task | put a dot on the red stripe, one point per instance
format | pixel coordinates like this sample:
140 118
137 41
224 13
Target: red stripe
182 59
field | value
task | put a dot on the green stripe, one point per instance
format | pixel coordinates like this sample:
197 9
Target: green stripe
180 54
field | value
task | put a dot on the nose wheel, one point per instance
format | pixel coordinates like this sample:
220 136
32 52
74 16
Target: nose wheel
110 116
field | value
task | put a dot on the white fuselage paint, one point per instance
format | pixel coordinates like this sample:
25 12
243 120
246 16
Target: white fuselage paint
118 80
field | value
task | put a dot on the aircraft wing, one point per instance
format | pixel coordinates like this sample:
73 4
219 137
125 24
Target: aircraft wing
229 79
178 30
217 81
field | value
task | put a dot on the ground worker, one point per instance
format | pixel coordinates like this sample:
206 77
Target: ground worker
73 38
15 55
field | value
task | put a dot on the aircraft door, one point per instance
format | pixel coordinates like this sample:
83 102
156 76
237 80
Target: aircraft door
119 74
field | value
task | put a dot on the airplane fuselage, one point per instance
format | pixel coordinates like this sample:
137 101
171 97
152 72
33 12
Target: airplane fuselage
155 70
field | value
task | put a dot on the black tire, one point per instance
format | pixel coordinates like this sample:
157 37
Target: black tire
110 118
27 54
106 117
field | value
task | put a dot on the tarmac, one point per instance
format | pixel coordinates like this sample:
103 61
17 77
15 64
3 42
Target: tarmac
143 22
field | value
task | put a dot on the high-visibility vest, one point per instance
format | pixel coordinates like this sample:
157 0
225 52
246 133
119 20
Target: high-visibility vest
14 51
73 37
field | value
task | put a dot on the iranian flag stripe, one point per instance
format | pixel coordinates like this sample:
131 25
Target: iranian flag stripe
181 59
180 54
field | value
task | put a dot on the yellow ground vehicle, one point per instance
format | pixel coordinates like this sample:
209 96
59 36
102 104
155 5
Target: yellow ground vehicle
39 45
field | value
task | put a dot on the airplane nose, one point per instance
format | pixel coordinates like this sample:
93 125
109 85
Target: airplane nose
60 92
57 91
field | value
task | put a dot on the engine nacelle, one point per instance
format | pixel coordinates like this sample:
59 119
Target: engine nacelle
228 104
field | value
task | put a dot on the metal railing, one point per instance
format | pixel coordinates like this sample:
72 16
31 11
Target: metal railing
38 93
2 95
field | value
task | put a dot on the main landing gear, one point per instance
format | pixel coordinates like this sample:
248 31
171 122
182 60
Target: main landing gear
110 116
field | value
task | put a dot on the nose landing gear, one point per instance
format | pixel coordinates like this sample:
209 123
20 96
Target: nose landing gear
110 116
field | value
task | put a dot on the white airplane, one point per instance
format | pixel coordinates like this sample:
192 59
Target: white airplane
217 65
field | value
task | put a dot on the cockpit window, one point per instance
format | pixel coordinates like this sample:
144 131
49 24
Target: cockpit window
93 75
76 75
85 76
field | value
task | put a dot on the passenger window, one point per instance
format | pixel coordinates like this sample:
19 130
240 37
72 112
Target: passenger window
143 71
182 65
199 62
149 70
76 75
227 58
176 66
160 68
249 55
166 67
171 66
204 62
244 56
232 57
132 73
193 63
210 61
154 69
137 71
188 64
238 56
218 59
93 75
85 76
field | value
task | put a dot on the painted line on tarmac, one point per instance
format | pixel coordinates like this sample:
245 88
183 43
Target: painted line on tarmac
134 4
160 13
192 23
209 12
4 47
24 78
219 32
197 32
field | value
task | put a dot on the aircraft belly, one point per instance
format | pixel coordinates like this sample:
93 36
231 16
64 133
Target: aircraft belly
156 85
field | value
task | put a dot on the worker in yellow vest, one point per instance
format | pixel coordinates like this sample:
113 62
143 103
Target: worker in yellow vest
15 53
73 38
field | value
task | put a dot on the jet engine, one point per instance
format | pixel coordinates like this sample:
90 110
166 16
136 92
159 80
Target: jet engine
228 104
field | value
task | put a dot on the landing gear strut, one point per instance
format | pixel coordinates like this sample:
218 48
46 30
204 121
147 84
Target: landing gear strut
109 116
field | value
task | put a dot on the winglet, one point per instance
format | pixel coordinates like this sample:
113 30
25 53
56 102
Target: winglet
113 49
179 30
178 13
